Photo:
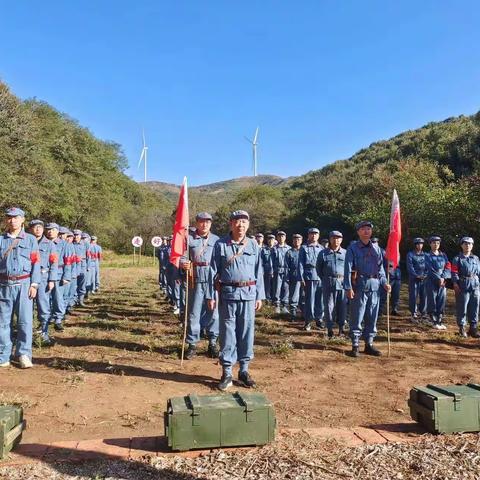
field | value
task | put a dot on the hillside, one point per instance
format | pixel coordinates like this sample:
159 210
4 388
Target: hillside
58 171
211 196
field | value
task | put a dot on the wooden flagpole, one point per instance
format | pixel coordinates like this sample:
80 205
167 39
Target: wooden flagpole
185 319
388 310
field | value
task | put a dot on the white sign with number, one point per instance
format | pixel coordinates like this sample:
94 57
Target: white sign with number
137 242
156 242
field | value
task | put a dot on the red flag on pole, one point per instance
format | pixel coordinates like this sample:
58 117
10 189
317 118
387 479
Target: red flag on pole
393 245
180 229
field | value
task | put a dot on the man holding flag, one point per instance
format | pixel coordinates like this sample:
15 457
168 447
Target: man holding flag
201 243
364 274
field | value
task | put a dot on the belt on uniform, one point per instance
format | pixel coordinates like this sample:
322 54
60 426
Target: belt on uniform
310 266
249 283
369 276
13 278
336 276
201 264
44 270
467 277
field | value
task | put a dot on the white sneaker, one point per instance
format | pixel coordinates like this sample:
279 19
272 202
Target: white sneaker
176 311
25 362
4 364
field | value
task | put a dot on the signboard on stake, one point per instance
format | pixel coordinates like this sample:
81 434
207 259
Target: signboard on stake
156 242
137 242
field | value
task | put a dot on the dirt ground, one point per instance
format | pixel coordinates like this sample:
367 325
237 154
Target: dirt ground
116 364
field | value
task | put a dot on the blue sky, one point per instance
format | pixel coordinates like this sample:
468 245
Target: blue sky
322 79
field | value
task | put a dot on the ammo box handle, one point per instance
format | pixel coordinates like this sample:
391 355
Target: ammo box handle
457 397
245 402
475 386
195 403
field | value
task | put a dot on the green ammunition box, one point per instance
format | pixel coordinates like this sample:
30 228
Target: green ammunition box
12 425
219 421
446 409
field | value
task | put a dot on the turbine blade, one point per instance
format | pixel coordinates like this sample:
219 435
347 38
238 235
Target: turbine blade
255 137
143 136
141 157
247 139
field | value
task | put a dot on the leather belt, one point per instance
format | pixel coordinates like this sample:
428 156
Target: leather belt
239 284
13 278
201 264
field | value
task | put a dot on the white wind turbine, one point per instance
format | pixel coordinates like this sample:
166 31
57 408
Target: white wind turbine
254 150
143 157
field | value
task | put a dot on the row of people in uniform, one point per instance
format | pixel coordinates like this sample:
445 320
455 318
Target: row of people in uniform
51 266
290 277
330 277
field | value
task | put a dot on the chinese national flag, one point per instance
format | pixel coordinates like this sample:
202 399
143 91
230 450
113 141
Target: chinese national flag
180 229
393 245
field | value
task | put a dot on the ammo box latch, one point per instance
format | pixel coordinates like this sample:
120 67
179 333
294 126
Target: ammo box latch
457 397
248 407
196 408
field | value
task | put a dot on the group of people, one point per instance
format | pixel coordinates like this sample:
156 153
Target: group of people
50 266
322 282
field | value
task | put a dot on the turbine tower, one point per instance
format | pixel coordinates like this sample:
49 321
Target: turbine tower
254 151
143 157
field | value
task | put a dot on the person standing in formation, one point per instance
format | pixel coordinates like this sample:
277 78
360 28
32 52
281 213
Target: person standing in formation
238 278
198 265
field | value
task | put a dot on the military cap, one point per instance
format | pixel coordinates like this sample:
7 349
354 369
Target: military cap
203 216
63 230
14 212
324 240
85 235
296 235
50 226
239 214
270 236
36 221
434 238
363 223
335 233
94 237
466 240
374 240
77 232
281 232
69 233
418 240
313 230
259 235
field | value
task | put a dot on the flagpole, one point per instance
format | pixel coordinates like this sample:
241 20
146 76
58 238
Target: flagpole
186 301
388 310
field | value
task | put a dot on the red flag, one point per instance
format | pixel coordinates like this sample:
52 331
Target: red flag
393 245
180 229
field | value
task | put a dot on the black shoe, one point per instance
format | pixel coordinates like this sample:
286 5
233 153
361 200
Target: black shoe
203 333
320 324
354 353
341 332
58 327
191 352
246 380
473 331
225 382
212 350
371 350
330 334
395 312
307 327
462 332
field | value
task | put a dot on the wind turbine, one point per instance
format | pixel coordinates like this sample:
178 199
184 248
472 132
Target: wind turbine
143 157
254 151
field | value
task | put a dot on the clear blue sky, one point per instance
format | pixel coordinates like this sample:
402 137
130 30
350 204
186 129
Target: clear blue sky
322 79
